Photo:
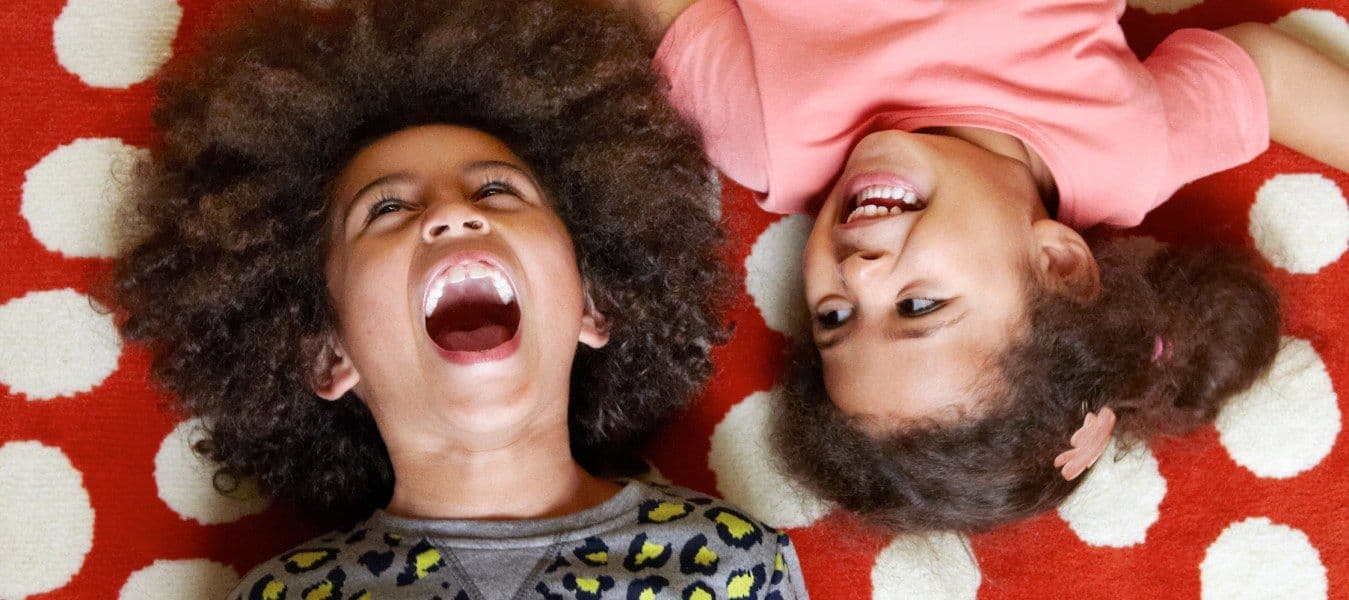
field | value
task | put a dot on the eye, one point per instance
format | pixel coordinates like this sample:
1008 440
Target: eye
385 204
496 187
834 318
917 307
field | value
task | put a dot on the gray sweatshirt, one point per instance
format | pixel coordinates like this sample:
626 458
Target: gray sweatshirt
647 542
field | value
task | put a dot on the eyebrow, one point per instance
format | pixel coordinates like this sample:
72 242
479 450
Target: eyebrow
902 333
486 164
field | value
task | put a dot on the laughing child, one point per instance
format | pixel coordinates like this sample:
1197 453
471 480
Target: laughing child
973 355
439 266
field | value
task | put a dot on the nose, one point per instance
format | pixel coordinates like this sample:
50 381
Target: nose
861 267
453 218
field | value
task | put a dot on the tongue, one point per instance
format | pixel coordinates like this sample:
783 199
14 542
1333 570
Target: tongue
470 318
476 340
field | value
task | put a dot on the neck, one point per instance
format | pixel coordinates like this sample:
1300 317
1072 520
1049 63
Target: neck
532 475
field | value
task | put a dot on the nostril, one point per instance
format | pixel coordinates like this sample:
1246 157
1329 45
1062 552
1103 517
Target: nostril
869 255
438 229
473 224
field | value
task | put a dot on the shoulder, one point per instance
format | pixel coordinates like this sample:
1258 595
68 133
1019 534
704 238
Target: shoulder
711 536
332 561
671 504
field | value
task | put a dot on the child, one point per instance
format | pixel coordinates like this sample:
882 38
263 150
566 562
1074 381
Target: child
972 352
402 257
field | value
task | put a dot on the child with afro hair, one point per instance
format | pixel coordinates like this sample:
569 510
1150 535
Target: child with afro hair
441 266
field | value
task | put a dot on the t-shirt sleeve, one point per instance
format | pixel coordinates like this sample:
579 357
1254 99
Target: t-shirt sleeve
1215 107
709 64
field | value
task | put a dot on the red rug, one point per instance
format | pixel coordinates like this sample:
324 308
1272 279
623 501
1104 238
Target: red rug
99 497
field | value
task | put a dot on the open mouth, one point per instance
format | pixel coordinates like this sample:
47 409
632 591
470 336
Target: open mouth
880 201
471 310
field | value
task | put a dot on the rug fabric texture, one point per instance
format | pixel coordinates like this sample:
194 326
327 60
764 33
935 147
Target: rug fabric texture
100 496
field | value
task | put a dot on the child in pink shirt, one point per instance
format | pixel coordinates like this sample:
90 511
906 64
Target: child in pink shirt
972 352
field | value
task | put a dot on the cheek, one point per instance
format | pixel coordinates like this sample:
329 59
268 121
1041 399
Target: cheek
369 282
554 276
818 270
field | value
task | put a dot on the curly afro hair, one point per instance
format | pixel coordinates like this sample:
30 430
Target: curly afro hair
1220 319
223 281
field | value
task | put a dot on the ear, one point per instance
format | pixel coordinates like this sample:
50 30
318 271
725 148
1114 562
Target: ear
1065 261
594 326
333 374
1089 442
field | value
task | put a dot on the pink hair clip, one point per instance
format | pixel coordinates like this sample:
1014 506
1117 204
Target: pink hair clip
1089 442
1160 349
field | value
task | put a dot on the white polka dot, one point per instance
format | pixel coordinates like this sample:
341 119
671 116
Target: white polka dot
748 473
939 565
44 504
1163 7
71 196
115 44
185 481
56 343
1288 420
773 276
1300 222
179 579
1320 29
1119 500
1258 559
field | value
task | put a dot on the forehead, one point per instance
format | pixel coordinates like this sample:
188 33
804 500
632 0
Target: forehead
423 149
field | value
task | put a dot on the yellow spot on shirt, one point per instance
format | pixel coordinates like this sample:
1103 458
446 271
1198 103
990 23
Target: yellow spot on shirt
666 511
425 560
323 591
649 551
306 560
274 591
589 586
705 557
740 586
734 525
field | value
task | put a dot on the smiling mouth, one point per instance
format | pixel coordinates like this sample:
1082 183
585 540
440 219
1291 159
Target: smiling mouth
880 201
471 312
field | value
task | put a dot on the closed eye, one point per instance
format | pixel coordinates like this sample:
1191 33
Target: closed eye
383 205
497 187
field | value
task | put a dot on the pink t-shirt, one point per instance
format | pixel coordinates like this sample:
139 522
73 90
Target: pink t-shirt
783 90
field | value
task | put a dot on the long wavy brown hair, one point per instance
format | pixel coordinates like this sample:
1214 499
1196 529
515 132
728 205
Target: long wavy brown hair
1218 317
223 281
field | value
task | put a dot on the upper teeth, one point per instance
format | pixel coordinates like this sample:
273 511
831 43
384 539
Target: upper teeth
460 272
905 196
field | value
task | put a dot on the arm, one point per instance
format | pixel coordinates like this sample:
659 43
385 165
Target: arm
1307 92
